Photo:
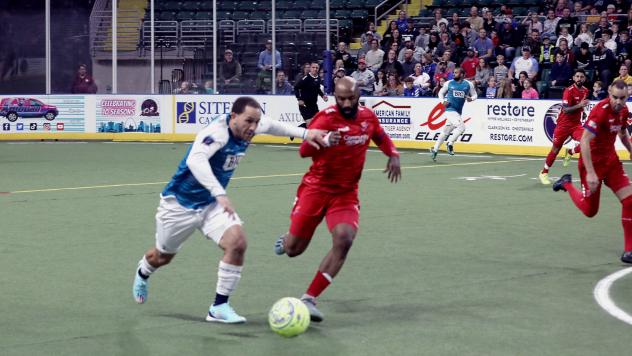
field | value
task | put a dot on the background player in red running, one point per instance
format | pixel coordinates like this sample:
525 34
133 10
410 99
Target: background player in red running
599 161
330 188
574 99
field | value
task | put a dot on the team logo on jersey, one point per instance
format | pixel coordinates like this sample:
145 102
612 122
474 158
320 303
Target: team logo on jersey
458 94
208 140
364 125
185 113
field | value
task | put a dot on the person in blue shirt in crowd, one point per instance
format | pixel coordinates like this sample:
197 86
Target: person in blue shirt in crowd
195 199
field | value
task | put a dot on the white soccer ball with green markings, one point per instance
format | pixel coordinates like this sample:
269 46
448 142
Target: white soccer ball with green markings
289 317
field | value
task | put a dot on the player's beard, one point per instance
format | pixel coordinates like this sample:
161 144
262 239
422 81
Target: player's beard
579 84
348 113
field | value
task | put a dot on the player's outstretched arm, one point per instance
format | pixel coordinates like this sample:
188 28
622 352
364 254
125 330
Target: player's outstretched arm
277 128
330 139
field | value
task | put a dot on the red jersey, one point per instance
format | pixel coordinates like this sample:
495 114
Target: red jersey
469 66
338 168
571 97
605 124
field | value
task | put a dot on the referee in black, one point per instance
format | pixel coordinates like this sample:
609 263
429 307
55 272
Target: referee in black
307 91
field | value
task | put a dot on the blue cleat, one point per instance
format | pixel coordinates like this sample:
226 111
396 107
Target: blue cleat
224 313
559 184
139 290
278 245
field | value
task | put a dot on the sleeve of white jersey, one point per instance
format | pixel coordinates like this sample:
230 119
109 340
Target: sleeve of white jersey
206 144
444 90
277 128
473 93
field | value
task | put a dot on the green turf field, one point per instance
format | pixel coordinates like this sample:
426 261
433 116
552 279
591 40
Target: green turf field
446 262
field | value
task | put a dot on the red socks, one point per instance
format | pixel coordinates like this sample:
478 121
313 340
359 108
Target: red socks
322 281
626 220
588 205
550 159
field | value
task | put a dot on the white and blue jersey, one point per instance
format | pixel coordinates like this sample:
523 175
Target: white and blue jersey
210 162
455 93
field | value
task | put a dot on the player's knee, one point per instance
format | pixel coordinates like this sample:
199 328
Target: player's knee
239 244
343 239
294 246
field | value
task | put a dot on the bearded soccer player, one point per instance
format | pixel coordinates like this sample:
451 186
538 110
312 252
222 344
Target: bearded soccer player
330 188
574 99
453 94
599 161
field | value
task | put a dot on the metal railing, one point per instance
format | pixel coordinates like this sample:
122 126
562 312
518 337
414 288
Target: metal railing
128 31
251 26
165 33
379 12
199 33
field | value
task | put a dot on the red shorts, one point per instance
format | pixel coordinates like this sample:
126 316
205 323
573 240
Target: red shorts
311 206
610 173
563 131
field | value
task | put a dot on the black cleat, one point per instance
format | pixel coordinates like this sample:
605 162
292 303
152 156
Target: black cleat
559 184
626 257
450 149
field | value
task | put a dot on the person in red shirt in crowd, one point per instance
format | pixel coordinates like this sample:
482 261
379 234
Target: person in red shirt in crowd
330 188
469 64
599 161
83 82
574 99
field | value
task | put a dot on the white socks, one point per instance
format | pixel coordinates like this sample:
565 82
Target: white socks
455 136
145 268
446 132
227 278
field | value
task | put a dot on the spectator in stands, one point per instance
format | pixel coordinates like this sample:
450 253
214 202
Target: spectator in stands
442 72
626 22
583 58
578 9
440 84
568 54
379 87
584 35
532 22
600 5
525 63
483 46
505 88
622 7
433 43
408 64
601 26
421 80
455 20
392 26
550 25
533 42
410 89
282 86
564 35
394 47
374 57
517 85
306 69
229 69
491 89
408 44
566 21
422 40
509 39
391 65
469 64
468 34
475 21
364 78
490 24
624 75
366 46
624 48
500 71
547 53
603 62
393 86
560 7
445 45
561 72
459 43
438 19
344 55
402 21
598 92
395 38
482 76
339 73
529 91
264 77
608 42
185 88
410 29
611 13
208 87
428 66
339 64
447 58
83 82
370 29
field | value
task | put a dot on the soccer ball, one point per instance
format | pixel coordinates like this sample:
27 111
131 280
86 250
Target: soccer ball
289 317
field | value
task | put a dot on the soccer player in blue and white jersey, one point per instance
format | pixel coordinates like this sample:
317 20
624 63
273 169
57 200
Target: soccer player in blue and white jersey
195 199
454 93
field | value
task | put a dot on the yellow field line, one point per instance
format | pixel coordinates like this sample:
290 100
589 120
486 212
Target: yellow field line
263 176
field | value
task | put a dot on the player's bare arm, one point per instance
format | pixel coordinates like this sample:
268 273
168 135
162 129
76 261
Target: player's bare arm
394 169
591 176
316 138
625 140
226 204
574 108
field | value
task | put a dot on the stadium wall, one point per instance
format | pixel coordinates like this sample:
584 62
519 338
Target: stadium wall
502 126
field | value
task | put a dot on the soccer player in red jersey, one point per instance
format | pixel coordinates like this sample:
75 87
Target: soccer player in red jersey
330 188
599 161
574 99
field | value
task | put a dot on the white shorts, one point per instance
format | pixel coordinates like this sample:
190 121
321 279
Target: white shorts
175 223
453 118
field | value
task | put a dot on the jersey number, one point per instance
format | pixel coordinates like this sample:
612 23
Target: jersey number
232 161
